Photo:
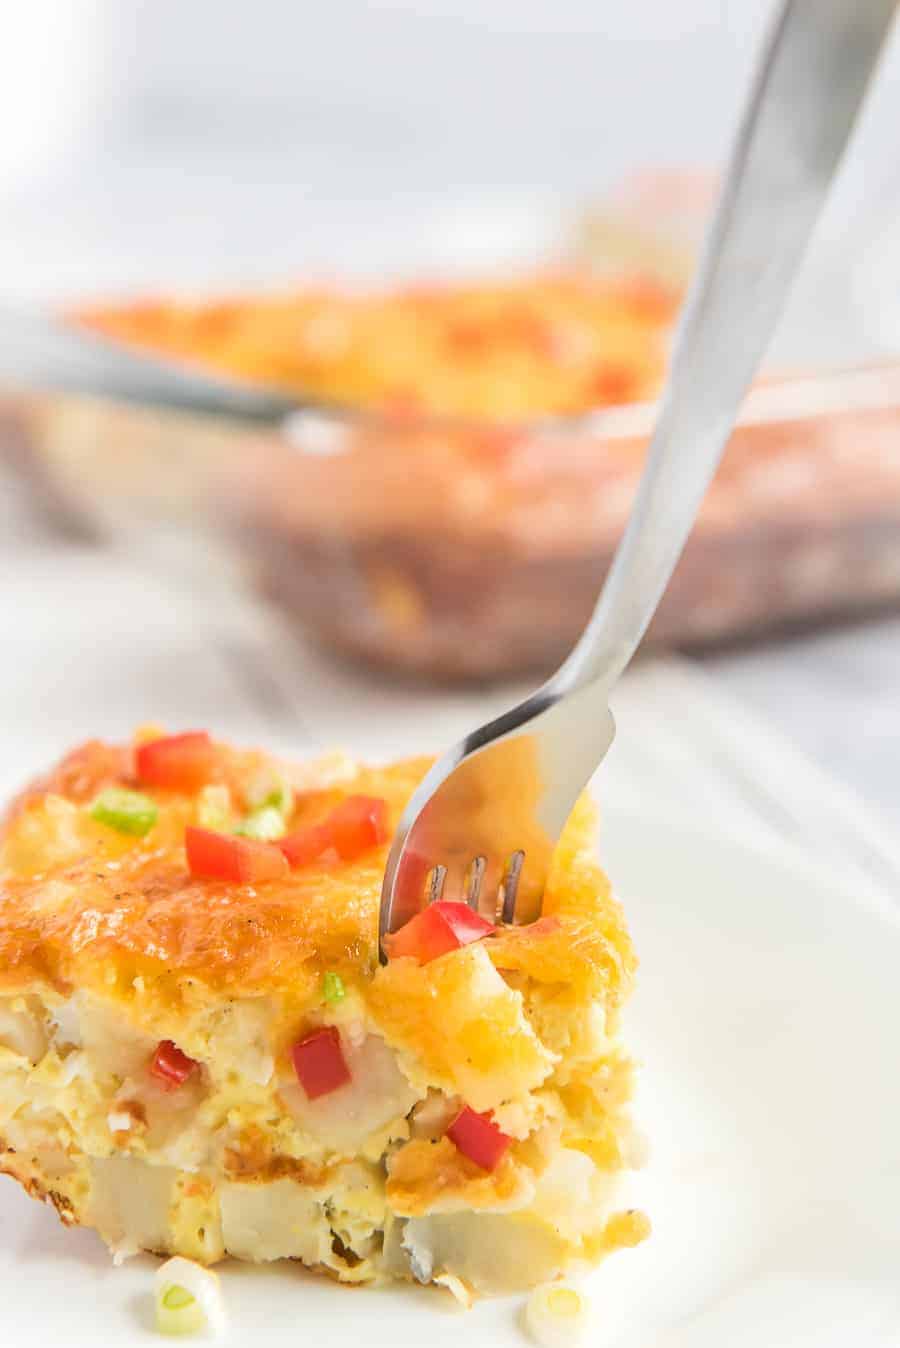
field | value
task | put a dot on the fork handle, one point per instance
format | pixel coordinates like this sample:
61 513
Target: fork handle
810 82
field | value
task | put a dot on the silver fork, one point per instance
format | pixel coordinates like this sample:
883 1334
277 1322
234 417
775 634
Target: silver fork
484 822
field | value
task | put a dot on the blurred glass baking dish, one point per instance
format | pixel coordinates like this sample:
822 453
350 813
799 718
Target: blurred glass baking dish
476 551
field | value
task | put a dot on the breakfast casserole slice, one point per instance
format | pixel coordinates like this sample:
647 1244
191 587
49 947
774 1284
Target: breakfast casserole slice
201 1055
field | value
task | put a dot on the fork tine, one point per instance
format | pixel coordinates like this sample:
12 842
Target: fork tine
436 884
474 880
484 800
509 887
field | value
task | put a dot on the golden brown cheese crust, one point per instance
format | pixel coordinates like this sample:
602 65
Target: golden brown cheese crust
121 907
131 907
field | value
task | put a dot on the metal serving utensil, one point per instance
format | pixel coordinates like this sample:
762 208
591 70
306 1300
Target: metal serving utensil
484 822
47 351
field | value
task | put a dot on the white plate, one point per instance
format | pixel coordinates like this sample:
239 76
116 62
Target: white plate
767 1017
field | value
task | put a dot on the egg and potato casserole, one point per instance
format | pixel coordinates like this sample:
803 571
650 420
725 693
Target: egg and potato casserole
526 346
200 1053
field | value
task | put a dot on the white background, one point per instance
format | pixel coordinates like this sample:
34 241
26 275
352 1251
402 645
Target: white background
200 141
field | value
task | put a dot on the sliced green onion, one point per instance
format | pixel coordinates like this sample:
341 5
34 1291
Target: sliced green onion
188 1298
179 1312
556 1315
214 809
265 824
178 1298
125 811
271 787
333 989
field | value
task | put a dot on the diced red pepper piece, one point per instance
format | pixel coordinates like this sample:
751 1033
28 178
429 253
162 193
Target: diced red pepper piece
535 333
613 384
357 825
305 845
177 762
479 1138
170 1066
319 1062
225 856
354 827
439 928
466 337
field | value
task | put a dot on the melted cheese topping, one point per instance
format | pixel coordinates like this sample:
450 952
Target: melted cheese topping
531 345
82 905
